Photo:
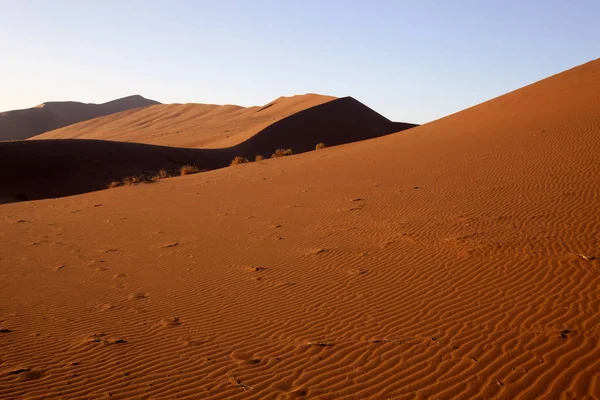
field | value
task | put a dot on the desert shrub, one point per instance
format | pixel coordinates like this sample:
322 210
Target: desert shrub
142 178
189 169
320 146
239 160
282 153
259 158
114 184
132 180
162 174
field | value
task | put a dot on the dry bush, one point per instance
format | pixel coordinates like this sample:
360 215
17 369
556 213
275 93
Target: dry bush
282 153
162 174
189 169
320 146
239 160
259 158
135 179
132 180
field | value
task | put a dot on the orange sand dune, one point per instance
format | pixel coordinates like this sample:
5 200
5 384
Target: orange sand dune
23 124
453 260
54 168
188 125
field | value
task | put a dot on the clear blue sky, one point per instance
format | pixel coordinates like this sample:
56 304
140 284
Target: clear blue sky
409 60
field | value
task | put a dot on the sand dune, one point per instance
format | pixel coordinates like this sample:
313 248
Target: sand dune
189 125
23 124
55 168
453 260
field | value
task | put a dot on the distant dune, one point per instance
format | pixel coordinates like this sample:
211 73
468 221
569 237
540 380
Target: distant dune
456 260
60 167
23 124
188 125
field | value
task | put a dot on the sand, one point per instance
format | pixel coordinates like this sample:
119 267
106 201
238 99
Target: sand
452 260
59 167
189 125
23 124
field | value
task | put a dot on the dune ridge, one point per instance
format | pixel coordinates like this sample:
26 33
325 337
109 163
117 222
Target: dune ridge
189 125
459 259
60 167
23 124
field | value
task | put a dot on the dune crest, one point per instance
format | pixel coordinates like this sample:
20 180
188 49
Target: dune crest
189 125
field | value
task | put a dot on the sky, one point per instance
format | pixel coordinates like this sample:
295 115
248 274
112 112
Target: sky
412 61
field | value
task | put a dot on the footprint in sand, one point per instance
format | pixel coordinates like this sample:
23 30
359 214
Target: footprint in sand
319 251
31 375
355 271
26 373
106 307
103 338
106 251
244 358
169 322
138 296
255 269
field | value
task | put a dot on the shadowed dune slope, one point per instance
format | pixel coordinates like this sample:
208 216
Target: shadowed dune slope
339 121
457 260
55 168
23 124
189 125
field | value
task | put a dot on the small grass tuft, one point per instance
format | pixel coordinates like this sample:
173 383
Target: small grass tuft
238 160
189 169
114 184
282 153
259 158
136 179
162 174
320 146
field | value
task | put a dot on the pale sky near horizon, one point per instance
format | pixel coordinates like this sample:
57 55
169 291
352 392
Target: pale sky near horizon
412 61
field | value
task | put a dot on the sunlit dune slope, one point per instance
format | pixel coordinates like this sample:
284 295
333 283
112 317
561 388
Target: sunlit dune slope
188 125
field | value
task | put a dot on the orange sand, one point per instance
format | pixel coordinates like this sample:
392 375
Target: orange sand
188 125
453 260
